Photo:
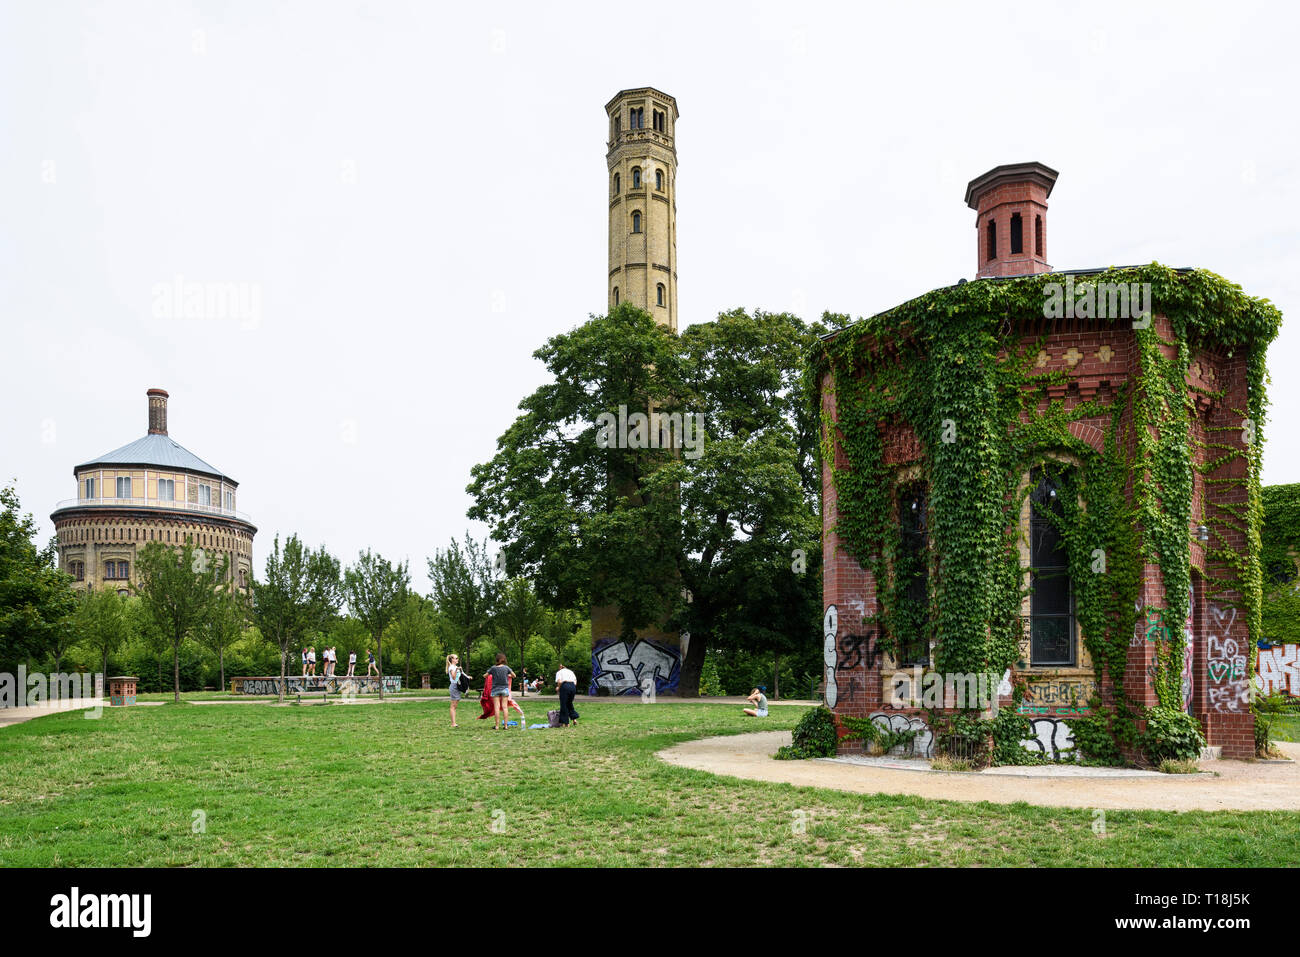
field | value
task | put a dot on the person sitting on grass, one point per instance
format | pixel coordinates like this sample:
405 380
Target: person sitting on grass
759 700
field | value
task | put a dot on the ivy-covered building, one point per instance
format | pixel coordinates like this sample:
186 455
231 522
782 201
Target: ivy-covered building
1049 478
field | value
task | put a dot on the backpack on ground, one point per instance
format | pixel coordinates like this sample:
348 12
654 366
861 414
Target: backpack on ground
553 719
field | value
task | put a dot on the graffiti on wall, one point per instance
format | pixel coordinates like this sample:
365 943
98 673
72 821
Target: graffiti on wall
1061 692
830 630
1226 662
621 667
315 684
1279 669
922 744
1051 737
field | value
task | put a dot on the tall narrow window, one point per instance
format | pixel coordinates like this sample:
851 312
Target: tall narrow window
1038 236
659 292
618 188
659 180
1017 241
166 490
1051 601
616 295
992 230
636 177
912 569
90 488
205 495
636 222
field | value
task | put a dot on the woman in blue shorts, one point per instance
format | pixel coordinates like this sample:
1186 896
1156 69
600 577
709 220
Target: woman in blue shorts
501 674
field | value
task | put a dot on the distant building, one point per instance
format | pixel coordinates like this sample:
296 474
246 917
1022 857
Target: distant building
151 490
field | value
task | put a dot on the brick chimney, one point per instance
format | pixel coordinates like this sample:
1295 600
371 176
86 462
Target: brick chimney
1010 203
157 412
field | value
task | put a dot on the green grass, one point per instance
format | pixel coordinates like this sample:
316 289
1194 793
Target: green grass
1286 729
396 785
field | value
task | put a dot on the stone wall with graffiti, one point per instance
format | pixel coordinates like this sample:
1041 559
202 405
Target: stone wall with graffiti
1277 669
630 667
315 684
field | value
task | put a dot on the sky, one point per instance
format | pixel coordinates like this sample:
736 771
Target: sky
412 198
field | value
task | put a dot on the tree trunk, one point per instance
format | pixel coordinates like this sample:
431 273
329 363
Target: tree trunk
408 669
284 674
688 684
176 671
776 678
105 672
221 656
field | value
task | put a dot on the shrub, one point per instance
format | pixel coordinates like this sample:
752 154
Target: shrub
1171 735
942 762
1094 739
1179 767
814 737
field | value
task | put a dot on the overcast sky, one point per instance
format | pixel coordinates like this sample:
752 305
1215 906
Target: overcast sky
417 194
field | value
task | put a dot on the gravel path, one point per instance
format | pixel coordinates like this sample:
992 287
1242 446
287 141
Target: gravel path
1231 785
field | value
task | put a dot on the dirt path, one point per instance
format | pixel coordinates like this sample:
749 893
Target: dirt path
1238 786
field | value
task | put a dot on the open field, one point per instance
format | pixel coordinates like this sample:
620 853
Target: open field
396 785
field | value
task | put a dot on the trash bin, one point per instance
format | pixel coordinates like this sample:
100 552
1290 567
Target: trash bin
121 690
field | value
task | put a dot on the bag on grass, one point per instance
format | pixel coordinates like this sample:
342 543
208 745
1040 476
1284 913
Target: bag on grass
553 719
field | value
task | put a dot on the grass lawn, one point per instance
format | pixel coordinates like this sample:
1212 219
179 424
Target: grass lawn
1286 729
396 785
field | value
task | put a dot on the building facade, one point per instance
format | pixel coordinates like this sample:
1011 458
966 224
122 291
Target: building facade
150 490
1051 477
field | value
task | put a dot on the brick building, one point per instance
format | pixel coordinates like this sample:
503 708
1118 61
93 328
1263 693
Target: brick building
152 489
1086 349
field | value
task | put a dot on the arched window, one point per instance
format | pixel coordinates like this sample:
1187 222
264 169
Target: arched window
659 291
1051 600
616 295
617 186
1038 235
636 177
636 221
1017 239
913 569
659 180
992 230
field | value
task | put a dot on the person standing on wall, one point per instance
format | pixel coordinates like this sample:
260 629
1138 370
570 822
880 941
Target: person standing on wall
566 683
352 662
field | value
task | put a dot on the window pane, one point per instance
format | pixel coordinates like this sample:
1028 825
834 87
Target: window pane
1051 595
1050 641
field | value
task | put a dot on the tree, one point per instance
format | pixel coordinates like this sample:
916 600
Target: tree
413 628
374 588
225 622
301 593
103 622
177 589
36 598
520 614
639 527
465 589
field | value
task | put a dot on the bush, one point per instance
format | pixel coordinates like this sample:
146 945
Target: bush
1179 767
1171 735
814 737
1093 739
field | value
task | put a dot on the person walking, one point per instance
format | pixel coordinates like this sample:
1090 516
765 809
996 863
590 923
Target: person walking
501 674
454 672
352 663
566 683
371 669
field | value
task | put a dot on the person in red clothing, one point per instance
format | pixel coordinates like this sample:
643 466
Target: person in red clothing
485 699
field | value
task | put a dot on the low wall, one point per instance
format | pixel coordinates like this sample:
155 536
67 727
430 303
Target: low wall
315 684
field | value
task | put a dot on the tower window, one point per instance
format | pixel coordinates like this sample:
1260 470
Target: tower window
636 177
992 231
618 124
913 571
616 295
636 222
90 488
1038 236
1017 241
660 121
618 187
123 487
636 118
166 490
660 293
1051 603
659 180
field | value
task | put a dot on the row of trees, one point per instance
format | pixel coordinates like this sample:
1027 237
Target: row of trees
183 606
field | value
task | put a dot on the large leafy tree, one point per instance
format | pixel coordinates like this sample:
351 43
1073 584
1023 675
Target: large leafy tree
36 598
642 528
520 615
177 589
300 594
465 589
374 588
413 629
224 624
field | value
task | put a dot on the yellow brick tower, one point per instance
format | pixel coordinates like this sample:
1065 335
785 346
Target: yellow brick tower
643 202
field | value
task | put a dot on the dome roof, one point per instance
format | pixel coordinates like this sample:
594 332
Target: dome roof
157 451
